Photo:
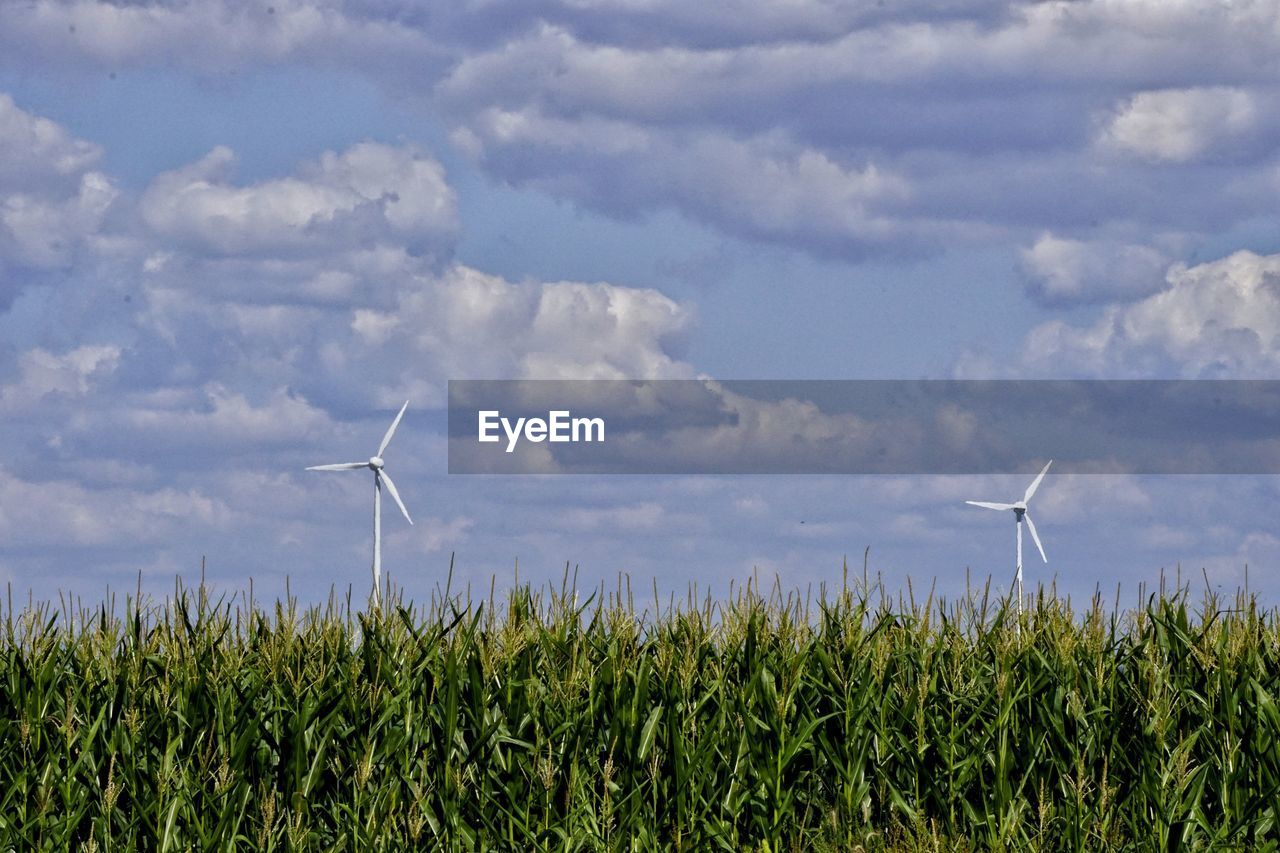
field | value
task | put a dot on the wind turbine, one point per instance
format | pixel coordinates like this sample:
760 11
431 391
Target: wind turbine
1019 513
380 476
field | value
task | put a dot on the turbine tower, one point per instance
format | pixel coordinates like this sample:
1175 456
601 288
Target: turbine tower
1020 513
380 476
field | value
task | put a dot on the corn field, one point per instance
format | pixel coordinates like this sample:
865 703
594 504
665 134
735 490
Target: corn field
842 721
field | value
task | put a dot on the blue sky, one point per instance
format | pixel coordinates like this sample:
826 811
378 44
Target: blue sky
234 236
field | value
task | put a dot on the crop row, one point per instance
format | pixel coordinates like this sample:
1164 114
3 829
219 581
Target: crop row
763 722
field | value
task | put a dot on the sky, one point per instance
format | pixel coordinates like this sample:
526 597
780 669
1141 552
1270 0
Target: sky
235 237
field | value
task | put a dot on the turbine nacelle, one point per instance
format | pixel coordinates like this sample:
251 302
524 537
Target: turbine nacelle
375 462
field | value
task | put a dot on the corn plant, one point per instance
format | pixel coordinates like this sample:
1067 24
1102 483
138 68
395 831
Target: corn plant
539 721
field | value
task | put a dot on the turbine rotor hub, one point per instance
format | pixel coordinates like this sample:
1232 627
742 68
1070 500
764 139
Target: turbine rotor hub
375 462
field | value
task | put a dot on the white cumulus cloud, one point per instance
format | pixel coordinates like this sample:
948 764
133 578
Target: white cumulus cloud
42 232
34 148
1219 319
1060 270
52 203
367 194
1178 125
469 324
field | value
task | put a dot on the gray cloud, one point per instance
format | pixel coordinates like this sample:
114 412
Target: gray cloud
979 124
42 373
845 129
209 37
765 187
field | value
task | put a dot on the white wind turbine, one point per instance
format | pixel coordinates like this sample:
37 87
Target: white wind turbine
1019 513
380 476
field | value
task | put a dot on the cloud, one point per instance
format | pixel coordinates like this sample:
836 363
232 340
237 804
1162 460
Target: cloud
670 74
1063 271
1179 125
863 132
215 416
451 326
42 373
642 516
317 282
844 130
436 534
1219 319
229 303
367 194
394 326
838 129
53 205
34 149
238 328
764 187
62 513
210 37
41 232
208 336
734 22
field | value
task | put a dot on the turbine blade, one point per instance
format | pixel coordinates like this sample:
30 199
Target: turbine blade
990 505
1035 484
391 430
1035 537
341 466
395 495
